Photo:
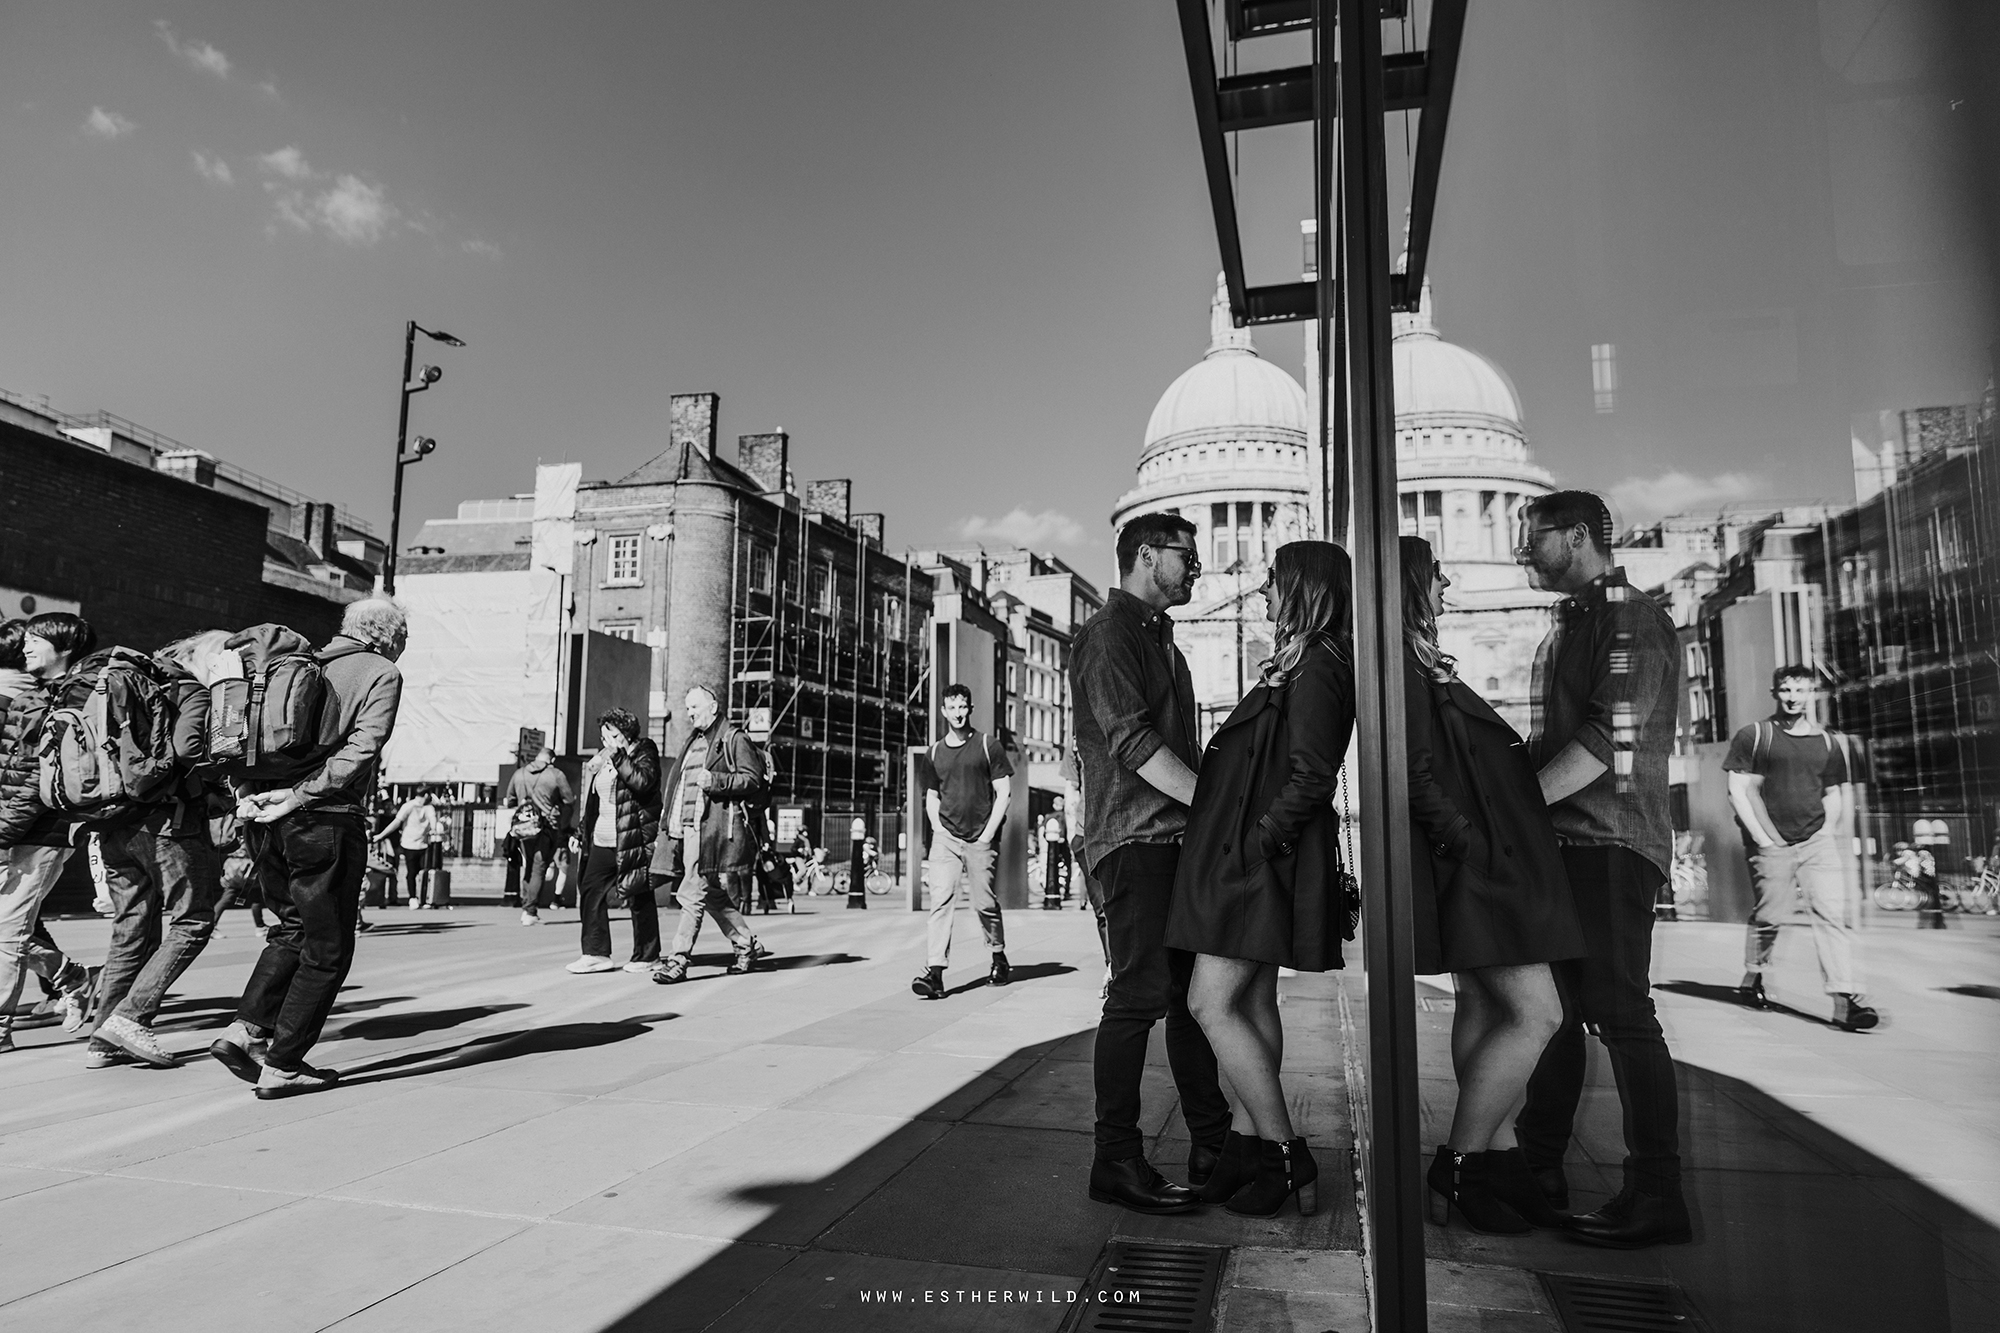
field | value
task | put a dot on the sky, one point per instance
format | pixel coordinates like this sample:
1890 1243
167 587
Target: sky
956 249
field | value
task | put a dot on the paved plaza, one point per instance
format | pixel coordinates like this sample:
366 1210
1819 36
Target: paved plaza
519 1148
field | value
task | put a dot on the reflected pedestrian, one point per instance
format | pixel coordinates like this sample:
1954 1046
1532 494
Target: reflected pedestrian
1607 695
1259 882
1490 901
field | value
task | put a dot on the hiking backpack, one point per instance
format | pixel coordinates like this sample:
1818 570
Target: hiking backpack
266 722
101 759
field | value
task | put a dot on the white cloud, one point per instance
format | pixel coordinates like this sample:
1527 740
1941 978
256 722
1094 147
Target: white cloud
213 168
102 124
288 162
483 249
270 89
354 211
1642 499
198 54
1018 527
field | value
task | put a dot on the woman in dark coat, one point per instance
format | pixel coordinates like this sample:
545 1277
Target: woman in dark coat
1259 880
1491 905
616 838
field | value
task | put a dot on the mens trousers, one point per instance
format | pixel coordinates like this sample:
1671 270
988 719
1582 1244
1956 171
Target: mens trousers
960 869
538 855
26 876
310 864
707 892
1149 982
593 899
1812 868
163 895
1609 991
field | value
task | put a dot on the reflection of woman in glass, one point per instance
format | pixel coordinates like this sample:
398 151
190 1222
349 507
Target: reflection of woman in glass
1259 880
1491 905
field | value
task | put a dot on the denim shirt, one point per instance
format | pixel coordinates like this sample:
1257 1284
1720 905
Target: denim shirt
1133 695
1608 677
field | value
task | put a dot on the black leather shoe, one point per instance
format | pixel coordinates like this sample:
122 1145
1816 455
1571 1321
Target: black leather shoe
1510 1181
929 983
1133 1183
1201 1163
1634 1221
1750 991
1555 1185
1001 973
1850 1015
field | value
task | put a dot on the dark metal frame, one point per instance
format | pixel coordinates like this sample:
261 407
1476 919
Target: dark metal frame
1347 92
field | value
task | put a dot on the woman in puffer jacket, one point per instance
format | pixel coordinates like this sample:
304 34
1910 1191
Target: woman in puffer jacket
621 820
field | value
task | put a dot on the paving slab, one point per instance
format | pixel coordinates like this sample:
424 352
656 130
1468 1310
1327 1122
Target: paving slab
760 1076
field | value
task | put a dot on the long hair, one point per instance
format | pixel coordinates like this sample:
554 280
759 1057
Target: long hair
1312 587
1420 626
195 654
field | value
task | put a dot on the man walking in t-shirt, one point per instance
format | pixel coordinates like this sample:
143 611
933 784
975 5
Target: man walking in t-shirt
1789 781
969 781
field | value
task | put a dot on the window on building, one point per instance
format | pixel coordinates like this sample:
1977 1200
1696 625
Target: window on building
1409 503
763 567
1430 526
1604 376
627 630
892 618
1225 536
1491 528
1246 534
625 558
822 590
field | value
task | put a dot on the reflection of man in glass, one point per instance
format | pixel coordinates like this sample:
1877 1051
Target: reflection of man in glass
1606 695
1789 782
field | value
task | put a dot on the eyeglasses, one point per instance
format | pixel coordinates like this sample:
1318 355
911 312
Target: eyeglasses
1527 542
1187 553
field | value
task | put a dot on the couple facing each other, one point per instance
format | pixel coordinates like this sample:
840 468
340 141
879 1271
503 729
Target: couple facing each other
1258 887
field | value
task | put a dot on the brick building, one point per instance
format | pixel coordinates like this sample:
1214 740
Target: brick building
151 541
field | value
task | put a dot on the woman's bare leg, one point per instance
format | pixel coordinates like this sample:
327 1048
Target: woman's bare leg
1518 1010
1225 995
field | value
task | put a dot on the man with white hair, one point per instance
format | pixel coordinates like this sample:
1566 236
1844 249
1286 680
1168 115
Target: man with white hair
310 842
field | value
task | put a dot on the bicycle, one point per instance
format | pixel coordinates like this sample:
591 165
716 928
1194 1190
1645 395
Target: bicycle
878 884
1898 893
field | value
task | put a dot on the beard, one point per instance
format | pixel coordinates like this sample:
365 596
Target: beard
1178 589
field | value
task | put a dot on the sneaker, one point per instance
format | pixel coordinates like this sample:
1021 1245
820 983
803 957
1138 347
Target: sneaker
530 919
136 1040
670 971
241 1051
359 924
591 963
103 1057
275 1083
78 1001
45 1014
415 905
636 966
744 963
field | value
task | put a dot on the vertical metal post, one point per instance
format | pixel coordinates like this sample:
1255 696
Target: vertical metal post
1330 343
1391 1165
402 429
914 826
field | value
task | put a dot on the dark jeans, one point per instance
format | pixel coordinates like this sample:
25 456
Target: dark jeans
310 864
416 860
538 856
593 900
163 891
1608 991
1149 982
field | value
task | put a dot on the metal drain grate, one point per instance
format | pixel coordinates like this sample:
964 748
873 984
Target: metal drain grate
1619 1305
1149 1287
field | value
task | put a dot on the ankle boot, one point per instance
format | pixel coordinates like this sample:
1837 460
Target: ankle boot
1510 1181
1233 1169
1283 1169
1460 1178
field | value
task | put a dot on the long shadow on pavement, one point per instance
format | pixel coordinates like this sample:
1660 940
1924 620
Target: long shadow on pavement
500 1046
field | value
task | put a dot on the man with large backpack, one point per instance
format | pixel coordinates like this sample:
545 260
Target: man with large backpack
308 769
34 843
149 717
710 830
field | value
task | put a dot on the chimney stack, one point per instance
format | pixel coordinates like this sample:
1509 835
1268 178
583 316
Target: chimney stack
766 457
187 464
829 497
691 420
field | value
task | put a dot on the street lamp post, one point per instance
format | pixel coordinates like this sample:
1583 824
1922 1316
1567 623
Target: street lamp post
428 376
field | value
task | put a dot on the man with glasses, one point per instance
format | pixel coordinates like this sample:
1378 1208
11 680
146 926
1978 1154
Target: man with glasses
1606 696
1136 747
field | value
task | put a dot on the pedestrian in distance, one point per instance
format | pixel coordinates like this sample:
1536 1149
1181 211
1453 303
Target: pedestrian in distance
1491 904
1135 740
414 828
1259 885
713 827
308 837
539 798
34 841
621 820
1791 785
967 780
162 869
1607 692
